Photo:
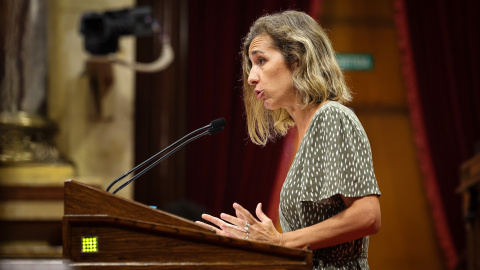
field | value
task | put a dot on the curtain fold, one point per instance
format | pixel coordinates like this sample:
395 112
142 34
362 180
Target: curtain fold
439 44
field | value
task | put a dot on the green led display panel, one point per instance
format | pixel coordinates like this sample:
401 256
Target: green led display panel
89 244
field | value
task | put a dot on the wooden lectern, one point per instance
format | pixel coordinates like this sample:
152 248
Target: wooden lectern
105 231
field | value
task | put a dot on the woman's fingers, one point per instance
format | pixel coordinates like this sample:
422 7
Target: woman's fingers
208 226
224 228
236 226
244 213
260 214
239 215
213 220
233 220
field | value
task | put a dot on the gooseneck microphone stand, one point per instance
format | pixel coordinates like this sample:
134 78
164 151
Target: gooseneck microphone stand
214 127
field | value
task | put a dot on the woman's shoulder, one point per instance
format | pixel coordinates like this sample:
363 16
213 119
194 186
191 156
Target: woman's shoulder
335 118
333 110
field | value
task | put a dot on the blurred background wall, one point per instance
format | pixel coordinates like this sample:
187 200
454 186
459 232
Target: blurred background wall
66 118
91 102
110 118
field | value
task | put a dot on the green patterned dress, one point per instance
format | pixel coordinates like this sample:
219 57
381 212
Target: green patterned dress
334 158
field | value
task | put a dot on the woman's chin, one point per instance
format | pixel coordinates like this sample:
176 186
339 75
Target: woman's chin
269 106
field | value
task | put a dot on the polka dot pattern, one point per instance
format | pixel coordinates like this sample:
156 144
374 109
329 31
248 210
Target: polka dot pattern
334 158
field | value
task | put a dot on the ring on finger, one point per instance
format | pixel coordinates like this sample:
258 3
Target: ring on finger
246 226
246 237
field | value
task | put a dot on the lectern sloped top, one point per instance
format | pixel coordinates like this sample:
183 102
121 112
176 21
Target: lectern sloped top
105 231
82 199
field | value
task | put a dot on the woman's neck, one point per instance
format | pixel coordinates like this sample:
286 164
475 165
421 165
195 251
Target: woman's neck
303 118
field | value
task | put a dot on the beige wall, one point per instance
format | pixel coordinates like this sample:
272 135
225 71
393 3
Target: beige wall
100 144
407 237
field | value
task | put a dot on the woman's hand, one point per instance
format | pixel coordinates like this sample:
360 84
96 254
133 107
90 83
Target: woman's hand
245 226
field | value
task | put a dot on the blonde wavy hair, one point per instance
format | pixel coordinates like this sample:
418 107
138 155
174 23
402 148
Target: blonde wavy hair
317 76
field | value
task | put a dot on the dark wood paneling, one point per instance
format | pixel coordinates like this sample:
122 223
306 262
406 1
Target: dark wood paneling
49 231
8 193
470 189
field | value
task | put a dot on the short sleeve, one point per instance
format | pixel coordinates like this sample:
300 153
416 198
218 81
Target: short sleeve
339 157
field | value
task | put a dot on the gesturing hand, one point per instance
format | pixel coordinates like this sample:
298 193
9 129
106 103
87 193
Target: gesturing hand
245 226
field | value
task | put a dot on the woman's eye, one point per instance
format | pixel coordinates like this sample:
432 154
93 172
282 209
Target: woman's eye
261 61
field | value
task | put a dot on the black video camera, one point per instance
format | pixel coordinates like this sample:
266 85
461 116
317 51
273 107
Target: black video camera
102 31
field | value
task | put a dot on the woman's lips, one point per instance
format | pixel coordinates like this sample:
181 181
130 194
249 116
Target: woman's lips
259 93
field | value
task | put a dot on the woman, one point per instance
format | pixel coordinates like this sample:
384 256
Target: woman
329 199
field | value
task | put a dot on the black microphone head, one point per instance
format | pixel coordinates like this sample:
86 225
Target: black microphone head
216 125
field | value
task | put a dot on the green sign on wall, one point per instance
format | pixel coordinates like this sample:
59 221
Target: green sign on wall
355 61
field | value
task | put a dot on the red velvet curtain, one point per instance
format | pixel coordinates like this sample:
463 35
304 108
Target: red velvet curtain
439 43
226 167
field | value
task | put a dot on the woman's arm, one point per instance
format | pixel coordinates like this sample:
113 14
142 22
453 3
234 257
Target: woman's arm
360 218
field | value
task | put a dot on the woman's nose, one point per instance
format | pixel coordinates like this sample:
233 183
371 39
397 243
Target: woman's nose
253 76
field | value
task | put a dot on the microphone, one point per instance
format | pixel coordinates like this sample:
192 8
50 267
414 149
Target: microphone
214 127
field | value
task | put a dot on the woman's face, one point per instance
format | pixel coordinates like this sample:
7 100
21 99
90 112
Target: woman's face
270 74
